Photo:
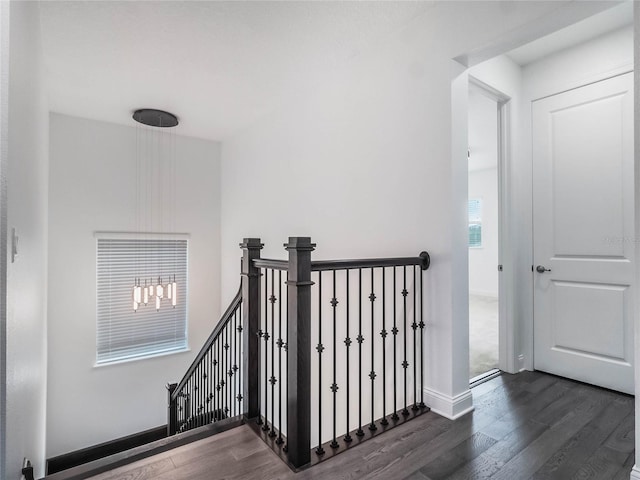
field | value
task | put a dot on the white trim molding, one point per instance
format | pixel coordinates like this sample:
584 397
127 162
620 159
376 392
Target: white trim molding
635 473
448 406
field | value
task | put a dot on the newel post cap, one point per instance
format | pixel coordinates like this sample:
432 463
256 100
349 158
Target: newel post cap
251 244
300 243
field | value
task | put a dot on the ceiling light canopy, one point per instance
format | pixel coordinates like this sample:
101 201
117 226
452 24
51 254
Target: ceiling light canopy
155 118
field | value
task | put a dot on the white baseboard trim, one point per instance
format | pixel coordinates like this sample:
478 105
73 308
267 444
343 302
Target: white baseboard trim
448 406
635 473
479 293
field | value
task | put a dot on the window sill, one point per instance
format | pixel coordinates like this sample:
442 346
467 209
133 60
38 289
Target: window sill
136 359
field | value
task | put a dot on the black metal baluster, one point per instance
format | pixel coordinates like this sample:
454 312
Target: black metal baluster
405 364
320 348
334 386
225 372
394 330
214 390
383 334
205 377
187 404
360 339
220 379
212 408
279 440
260 333
180 408
272 380
198 378
234 365
230 370
422 405
240 378
199 394
203 394
285 448
265 427
347 342
221 375
212 381
194 377
194 402
193 398
205 387
230 373
414 326
372 374
183 407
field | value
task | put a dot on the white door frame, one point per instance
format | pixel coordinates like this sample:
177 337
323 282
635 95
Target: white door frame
4 230
506 351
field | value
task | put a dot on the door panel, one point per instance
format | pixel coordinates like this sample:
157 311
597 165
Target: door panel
583 231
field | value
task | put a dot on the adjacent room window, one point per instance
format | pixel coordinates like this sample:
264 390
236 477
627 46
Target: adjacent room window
121 333
475 222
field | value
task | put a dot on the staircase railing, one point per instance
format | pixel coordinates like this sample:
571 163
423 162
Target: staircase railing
332 352
211 390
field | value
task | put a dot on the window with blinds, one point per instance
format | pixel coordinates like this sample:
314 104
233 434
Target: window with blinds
475 222
123 334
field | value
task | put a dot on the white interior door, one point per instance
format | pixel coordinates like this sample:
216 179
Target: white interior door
584 232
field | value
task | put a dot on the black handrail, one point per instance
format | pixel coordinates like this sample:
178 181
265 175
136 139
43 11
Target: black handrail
271 263
235 303
423 260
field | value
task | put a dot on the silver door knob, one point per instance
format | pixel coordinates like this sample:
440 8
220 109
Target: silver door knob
541 269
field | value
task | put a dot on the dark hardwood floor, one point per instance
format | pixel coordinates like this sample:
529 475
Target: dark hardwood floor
526 426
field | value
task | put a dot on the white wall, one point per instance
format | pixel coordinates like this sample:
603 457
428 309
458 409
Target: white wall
92 188
483 185
372 162
602 57
483 260
26 352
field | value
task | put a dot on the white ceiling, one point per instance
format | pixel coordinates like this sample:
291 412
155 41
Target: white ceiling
219 66
592 27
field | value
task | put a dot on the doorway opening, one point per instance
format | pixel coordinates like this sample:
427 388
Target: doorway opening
485 129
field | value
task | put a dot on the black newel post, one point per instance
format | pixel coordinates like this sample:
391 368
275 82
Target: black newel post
251 321
299 350
172 419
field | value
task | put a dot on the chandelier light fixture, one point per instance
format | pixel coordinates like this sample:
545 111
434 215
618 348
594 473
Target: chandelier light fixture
155 149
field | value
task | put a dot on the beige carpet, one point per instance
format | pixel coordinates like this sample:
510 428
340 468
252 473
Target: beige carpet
483 334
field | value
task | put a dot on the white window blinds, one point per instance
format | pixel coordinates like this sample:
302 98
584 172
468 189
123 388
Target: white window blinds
475 222
121 333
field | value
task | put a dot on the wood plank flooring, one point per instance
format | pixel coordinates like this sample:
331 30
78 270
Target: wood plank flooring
526 426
